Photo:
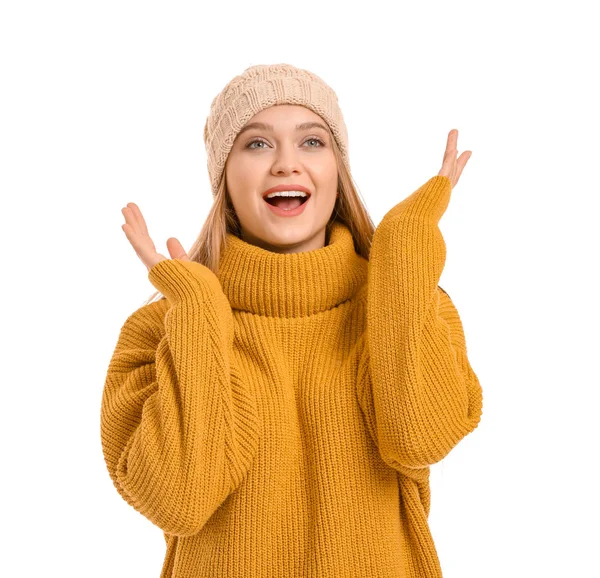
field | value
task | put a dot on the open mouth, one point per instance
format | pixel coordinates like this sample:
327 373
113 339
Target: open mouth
287 203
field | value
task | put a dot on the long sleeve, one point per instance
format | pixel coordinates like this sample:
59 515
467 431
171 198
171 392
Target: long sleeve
418 391
179 427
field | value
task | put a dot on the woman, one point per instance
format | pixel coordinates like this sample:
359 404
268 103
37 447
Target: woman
276 411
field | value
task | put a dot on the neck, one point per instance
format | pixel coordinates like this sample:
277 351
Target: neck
291 284
319 240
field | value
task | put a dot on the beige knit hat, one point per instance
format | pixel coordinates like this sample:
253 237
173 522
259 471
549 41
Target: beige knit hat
260 87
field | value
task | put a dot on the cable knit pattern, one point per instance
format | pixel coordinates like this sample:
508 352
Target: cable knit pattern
279 420
262 86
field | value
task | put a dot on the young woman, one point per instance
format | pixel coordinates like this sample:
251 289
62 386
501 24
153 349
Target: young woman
276 411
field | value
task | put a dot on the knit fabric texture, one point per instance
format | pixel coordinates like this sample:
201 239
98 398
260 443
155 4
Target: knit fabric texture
259 87
281 419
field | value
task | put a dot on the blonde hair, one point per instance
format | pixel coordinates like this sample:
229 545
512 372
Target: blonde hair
349 209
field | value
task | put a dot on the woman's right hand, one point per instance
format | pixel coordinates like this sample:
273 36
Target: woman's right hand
137 233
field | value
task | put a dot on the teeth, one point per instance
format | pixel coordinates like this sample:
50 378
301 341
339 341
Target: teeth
287 194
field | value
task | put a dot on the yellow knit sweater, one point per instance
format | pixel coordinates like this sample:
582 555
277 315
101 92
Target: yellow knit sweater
279 419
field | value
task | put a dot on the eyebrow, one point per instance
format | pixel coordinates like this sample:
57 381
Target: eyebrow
266 126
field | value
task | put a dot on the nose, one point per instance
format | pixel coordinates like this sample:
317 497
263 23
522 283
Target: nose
286 160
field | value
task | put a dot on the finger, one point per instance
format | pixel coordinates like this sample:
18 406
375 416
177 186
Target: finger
462 161
176 250
130 219
139 218
452 140
450 163
131 237
128 209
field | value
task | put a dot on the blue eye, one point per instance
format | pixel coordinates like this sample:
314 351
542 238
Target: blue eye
254 141
321 143
249 145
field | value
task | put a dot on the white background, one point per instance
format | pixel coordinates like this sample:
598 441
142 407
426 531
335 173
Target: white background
102 103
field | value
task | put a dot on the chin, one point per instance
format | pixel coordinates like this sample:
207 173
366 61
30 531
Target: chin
289 238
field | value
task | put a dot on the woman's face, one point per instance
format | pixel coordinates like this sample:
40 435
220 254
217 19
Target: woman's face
279 153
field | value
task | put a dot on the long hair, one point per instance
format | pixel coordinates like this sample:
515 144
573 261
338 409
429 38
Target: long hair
349 209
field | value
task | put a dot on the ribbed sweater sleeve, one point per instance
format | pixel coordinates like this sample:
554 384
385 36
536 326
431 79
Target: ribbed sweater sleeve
179 428
419 393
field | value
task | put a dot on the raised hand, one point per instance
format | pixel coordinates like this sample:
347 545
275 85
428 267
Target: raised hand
137 233
451 166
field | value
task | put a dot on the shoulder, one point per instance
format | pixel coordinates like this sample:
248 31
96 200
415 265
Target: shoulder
146 323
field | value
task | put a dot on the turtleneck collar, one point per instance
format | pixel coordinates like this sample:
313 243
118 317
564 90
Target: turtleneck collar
291 284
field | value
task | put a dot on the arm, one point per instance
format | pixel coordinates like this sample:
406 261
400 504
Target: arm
179 428
417 389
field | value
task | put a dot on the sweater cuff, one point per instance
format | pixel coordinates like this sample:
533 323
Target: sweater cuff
182 280
428 202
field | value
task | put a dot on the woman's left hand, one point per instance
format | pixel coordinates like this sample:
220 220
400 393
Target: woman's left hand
451 166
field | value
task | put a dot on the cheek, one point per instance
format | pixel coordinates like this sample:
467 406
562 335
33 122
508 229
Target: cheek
325 176
244 179
251 173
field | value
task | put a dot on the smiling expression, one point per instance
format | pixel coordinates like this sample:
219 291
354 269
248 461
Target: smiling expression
283 145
